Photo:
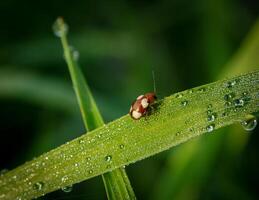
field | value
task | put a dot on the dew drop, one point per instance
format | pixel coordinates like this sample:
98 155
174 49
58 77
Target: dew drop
81 141
67 188
230 84
229 96
244 93
38 186
224 114
211 118
246 97
108 158
64 178
249 124
179 96
184 103
14 177
59 27
239 102
90 171
228 104
75 54
209 112
122 146
202 90
210 127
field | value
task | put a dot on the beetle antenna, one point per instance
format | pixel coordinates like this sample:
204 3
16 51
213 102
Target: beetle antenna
154 81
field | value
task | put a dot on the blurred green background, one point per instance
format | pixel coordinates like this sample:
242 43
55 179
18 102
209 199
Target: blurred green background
186 43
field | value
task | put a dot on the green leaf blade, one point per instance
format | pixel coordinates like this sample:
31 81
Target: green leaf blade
90 113
126 141
115 186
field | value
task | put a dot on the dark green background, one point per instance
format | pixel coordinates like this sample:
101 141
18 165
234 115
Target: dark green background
186 43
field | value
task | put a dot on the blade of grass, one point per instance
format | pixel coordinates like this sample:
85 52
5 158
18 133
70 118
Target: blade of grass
116 185
174 120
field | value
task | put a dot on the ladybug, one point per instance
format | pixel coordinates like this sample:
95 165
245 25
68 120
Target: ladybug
140 106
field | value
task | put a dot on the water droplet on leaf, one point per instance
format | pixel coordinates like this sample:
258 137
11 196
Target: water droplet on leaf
179 96
249 124
64 178
229 96
67 188
76 55
108 158
209 112
228 103
202 90
81 141
239 102
210 127
184 103
246 97
60 28
230 84
38 186
211 117
224 114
